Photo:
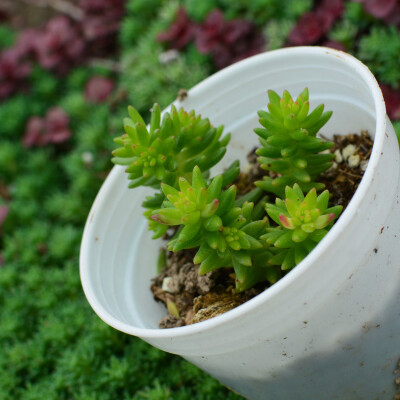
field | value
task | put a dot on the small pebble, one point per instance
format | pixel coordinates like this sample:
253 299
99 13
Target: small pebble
165 284
338 156
364 165
247 168
87 158
354 161
349 150
168 56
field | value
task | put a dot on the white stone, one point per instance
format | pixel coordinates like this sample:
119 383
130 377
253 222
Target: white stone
364 165
354 161
87 157
348 151
338 156
165 284
168 56
247 168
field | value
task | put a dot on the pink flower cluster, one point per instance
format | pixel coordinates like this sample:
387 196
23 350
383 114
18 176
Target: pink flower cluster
98 89
226 41
13 72
53 128
313 26
61 44
386 10
101 23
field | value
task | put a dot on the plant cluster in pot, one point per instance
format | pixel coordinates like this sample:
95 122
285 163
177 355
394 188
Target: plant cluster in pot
330 328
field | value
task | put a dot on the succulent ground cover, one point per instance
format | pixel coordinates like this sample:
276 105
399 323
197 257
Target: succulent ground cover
64 88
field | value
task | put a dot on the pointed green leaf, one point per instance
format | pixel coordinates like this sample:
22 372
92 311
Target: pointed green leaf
142 134
284 241
274 97
227 200
299 254
211 263
324 220
197 179
288 261
203 252
214 189
299 235
189 232
136 117
322 200
311 199
213 223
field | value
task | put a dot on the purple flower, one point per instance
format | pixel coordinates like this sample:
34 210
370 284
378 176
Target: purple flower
312 26
60 45
227 41
57 126
13 72
98 89
53 128
308 30
26 43
100 25
180 33
34 132
378 8
386 10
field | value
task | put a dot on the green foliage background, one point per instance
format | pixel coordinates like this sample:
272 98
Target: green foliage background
52 345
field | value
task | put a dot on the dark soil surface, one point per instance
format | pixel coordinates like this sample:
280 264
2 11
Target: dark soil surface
196 298
191 298
343 178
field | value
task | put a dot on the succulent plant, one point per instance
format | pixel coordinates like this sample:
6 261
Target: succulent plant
224 233
227 230
170 148
302 222
290 148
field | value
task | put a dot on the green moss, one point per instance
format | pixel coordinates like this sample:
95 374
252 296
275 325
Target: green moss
381 51
7 36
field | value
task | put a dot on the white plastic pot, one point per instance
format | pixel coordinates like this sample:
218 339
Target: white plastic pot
330 329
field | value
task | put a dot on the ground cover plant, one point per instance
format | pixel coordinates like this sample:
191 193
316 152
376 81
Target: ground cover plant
63 90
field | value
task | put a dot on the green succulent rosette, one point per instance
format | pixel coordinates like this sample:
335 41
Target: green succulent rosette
225 234
302 222
289 146
169 148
